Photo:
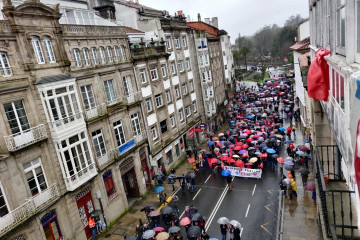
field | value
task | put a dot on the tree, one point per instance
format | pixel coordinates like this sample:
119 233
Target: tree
244 51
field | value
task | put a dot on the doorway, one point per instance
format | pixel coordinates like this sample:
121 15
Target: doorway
128 176
86 207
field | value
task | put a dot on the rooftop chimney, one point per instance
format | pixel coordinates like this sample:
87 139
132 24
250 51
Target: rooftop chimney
214 22
207 20
180 13
199 17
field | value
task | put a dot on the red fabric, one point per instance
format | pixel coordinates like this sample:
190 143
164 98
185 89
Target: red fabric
318 76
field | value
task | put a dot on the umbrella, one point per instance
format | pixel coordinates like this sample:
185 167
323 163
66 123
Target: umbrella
215 138
190 175
304 154
223 157
162 236
196 217
96 213
131 238
248 164
289 168
307 141
157 177
237 148
223 220
166 210
251 148
289 141
257 152
230 160
210 143
242 137
226 173
172 176
280 160
147 208
270 150
154 213
235 156
250 117
148 234
299 152
289 163
304 171
242 151
216 149
174 229
275 156
227 143
289 159
310 186
158 229
282 129
159 189
191 160
235 224
254 159
207 153
286 181
239 163
193 231
245 146
221 134
185 221
302 148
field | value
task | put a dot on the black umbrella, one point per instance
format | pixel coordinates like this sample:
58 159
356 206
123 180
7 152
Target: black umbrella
227 143
275 156
174 229
166 210
196 217
218 162
147 208
157 177
95 213
193 231
304 171
288 167
172 176
190 175
131 238
241 137
207 153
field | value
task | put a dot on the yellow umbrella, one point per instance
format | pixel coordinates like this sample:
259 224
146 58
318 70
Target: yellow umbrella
221 134
252 160
236 156
162 236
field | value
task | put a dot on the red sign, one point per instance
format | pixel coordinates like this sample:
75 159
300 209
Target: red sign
198 130
357 157
191 132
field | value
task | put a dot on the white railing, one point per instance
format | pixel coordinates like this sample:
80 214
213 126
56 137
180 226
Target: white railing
80 177
134 97
95 111
6 72
22 139
63 123
28 209
121 99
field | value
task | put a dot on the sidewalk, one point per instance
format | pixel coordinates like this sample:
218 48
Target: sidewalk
300 213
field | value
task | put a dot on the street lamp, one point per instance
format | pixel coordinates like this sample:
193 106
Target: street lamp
98 196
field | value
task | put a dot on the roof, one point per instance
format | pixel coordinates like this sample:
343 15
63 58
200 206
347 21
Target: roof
53 78
133 4
302 45
132 30
303 59
204 26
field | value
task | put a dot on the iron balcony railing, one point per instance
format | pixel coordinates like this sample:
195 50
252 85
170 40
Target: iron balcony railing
23 139
336 206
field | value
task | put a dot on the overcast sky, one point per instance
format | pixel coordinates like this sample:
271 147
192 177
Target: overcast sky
236 16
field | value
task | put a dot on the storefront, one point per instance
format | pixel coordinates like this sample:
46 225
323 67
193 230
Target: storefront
145 168
86 207
128 175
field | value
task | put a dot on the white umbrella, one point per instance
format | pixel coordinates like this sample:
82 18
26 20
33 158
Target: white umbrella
289 159
235 223
223 220
148 234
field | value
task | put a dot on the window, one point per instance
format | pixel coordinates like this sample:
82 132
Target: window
184 41
163 126
187 111
208 108
154 132
119 133
201 60
3 203
172 120
177 149
85 52
122 52
184 89
194 106
109 54
142 75
168 95
191 83
173 69
204 76
17 117
181 115
102 55
75 154
224 53
203 43
181 66
158 100
163 70
128 86
211 91
148 104
177 92
168 42
176 42
49 49
153 73
340 23
188 65
99 144
225 66
109 185
88 97
116 53
94 56
51 226
5 69
206 94
209 76
338 88
110 91
206 59
77 57
213 106
35 176
37 49
135 124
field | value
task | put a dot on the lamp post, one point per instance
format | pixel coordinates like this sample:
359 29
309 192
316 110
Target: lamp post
98 196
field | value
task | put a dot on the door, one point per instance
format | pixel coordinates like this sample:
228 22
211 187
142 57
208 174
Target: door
130 184
145 169
86 207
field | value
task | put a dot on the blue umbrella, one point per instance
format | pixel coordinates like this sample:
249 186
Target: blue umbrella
289 163
226 173
299 152
270 150
211 143
282 129
159 189
257 153
232 122
250 117
307 140
289 141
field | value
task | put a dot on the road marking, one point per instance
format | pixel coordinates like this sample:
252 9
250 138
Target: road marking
247 211
241 231
196 194
207 178
216 208
182 214
253 190
176 191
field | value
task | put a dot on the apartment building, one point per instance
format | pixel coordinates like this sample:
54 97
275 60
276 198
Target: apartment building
73 134
228 60
334 123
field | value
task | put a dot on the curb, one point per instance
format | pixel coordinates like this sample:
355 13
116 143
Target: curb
280 225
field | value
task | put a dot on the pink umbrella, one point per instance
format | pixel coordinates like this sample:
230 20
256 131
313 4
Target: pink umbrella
185 221
158 229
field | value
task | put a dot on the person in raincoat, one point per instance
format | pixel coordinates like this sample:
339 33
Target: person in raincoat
289 190
293 185
304 178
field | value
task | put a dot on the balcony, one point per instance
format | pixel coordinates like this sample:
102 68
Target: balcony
96 111
81 177
152 51
141 137
6 71
23 139
336 203
32 206
118 100
134 97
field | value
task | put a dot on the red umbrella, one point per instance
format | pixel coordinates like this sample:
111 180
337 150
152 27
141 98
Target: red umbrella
237 148
245 146
302 148
185 221
250 140
215 138
248 131
212 160
238 144
230 160
280 160
191 160
224 157
262 155
239 164
248 164
310 186
282 93
256 136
